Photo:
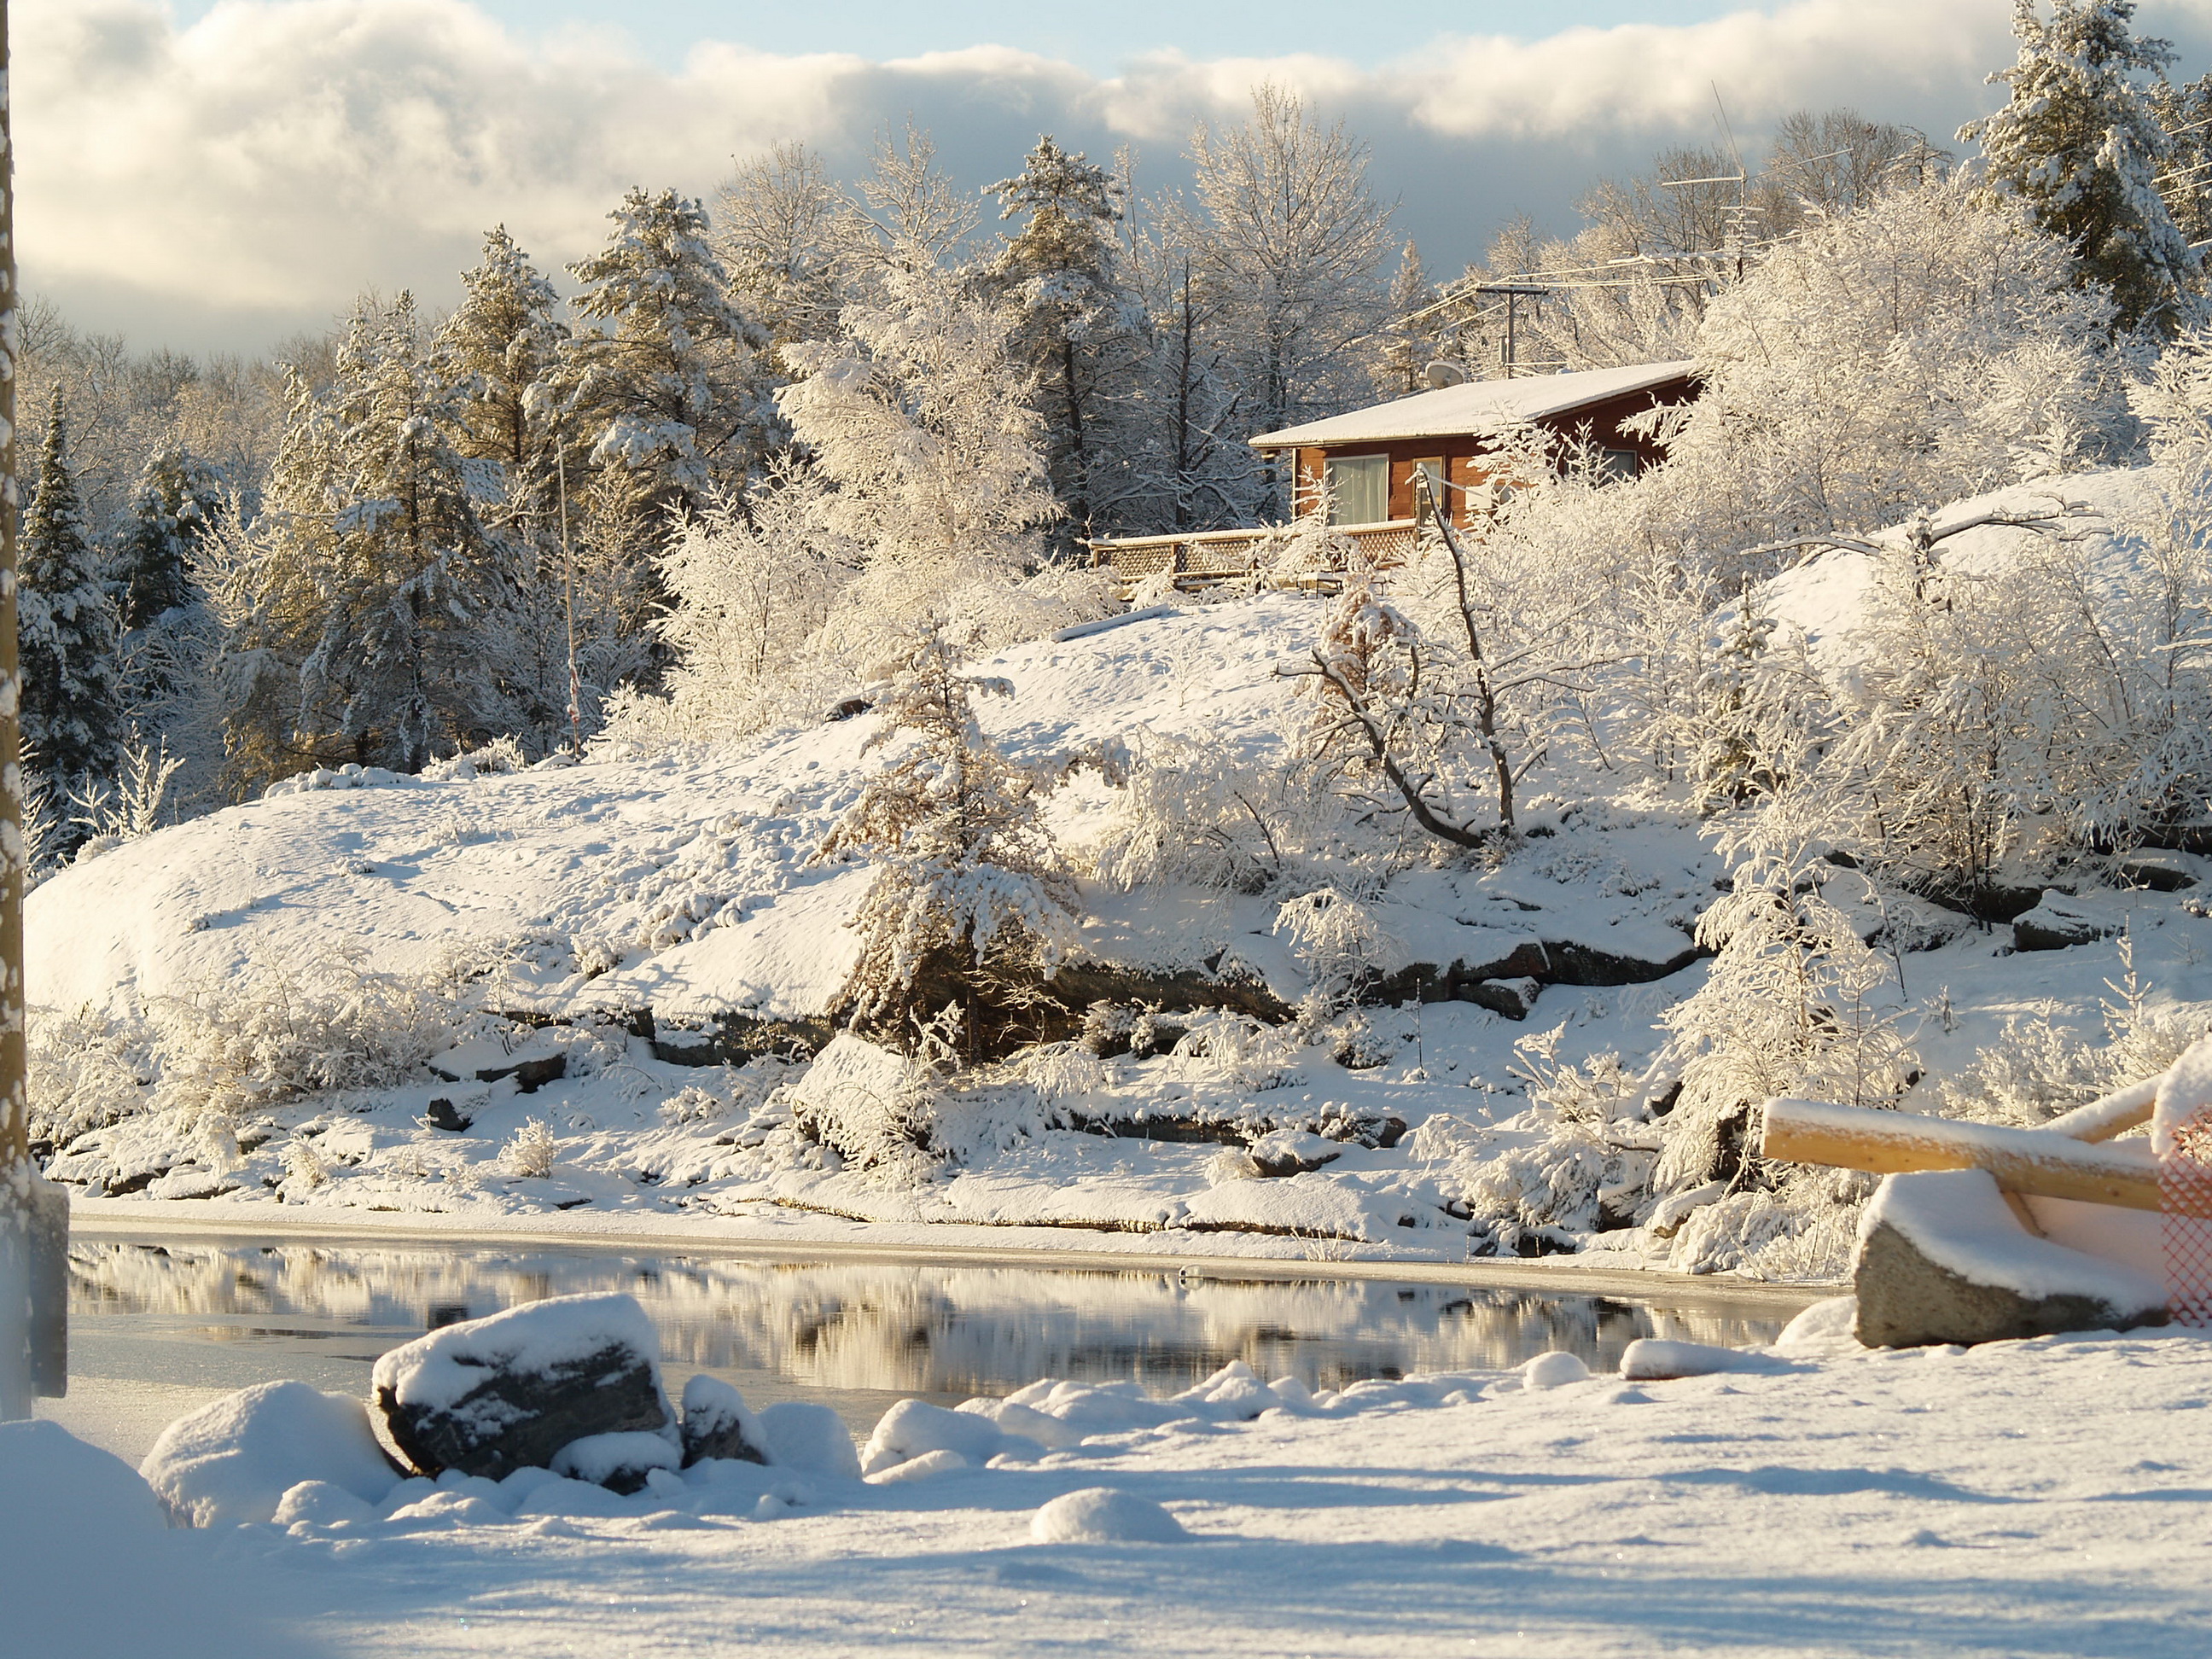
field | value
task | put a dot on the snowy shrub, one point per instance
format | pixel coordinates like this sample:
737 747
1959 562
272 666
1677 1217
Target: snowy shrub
303 1163
87 1070
1184 812
532 1151
692 1105
1791 1005
1807 1228
967 890
2044 1066
1337 938
1060 1071
1231 1164
1240 1052
502 756
277 1035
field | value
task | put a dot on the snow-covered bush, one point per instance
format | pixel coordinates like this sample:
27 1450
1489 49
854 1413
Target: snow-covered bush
1339 940
532 1151
968 902
2044 1066
1184 812
277 1034
87 1069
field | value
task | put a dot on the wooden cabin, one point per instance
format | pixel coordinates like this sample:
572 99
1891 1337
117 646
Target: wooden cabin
1364 464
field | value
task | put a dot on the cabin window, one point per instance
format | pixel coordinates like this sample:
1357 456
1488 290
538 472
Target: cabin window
1436 498
1358 487
1618 466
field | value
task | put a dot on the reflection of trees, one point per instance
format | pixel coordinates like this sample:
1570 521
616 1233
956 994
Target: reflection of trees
915 1328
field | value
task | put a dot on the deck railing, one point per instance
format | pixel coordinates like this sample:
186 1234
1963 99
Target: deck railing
1200 558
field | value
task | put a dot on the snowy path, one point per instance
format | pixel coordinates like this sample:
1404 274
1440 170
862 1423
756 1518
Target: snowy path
2038 1498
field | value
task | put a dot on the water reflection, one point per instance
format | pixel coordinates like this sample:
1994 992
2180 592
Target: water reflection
855 1330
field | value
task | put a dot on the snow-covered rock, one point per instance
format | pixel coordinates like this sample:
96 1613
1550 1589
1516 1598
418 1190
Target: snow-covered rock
913 1427
1942 1259
620 1461
2058 920
233 1460
487 1396
1105 1515
717 1423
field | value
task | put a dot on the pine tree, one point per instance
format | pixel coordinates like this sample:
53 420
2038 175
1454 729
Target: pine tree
172 513
2081 143
72 713
967 902
1076 332
663 383
492 359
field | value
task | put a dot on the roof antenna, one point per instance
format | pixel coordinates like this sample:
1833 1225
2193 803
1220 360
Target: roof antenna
1739 217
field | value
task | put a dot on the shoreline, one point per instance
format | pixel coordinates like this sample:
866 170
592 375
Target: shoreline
127 1219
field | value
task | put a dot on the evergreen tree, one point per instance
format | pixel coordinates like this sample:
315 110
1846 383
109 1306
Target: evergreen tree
2081 143
492 359
1075 330
72 713
395 666
663 384
172 513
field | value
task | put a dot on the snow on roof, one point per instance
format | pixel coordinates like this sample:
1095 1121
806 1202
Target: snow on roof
1477 405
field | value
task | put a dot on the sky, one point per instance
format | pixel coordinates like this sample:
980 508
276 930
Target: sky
216 174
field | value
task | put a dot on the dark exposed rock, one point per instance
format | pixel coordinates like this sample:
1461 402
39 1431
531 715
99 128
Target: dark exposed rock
1512 998
2161 873
442 1113
488 1396
2054 924
1294 1151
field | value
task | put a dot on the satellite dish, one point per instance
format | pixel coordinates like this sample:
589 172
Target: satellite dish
1442 374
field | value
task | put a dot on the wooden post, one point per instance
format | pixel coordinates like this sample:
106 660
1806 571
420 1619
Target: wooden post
2032 1161
33 1212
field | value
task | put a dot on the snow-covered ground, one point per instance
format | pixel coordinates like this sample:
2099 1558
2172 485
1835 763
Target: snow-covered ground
294 961
2035 1498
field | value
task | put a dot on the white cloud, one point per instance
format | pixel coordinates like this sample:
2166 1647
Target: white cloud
255 170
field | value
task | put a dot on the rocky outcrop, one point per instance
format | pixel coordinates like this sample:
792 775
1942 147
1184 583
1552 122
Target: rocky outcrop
2057 921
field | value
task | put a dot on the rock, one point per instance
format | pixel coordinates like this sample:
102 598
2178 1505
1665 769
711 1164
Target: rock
620 1461
443 1114
2160 871
1512 998
1942 1259
487 1060
1293 1151
1660 1359
2055 922
1555 1370
488 1396
717 1423
800 1435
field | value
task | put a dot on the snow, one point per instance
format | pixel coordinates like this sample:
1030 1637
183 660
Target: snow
1103 1515
1959 1218
90 1569
2038 1497
441 1371
797 1434
2185 1090
234 1459
1478 406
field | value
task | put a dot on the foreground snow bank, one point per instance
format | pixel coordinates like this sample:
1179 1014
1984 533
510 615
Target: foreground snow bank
2039 1496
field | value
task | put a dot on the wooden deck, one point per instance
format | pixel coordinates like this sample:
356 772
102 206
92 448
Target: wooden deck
1201 558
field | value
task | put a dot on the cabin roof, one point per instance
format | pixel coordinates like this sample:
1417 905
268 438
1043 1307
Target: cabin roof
1477 406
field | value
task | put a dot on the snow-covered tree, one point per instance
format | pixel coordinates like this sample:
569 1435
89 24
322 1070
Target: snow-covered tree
1077 330
393 667
175 506
661 379
72 713
2080 142
920 423
968 905
749 592
1410 339
1928 348
780 227
1282 225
